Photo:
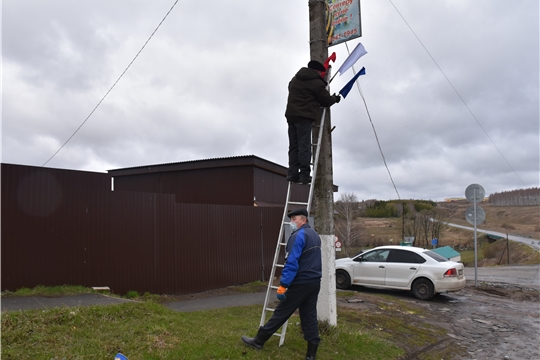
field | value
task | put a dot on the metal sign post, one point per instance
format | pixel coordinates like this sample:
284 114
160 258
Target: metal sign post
475 215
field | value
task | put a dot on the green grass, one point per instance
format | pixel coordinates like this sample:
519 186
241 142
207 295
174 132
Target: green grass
467 256
50 291
149 330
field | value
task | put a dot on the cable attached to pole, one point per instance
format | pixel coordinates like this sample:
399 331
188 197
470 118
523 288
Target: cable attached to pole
113 85
373 127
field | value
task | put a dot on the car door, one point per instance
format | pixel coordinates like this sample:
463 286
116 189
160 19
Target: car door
401 267
370 267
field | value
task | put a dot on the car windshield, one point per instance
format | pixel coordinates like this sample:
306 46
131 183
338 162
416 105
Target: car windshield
435 256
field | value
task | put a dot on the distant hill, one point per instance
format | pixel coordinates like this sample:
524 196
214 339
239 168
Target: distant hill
523 220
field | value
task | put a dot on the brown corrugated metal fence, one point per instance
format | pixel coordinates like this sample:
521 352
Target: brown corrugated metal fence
68 227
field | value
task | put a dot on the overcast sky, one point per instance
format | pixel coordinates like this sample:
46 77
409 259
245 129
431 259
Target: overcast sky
212 83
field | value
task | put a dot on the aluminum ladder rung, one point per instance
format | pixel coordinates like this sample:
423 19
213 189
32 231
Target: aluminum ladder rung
296 203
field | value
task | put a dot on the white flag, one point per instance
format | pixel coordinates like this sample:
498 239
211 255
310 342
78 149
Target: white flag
357 53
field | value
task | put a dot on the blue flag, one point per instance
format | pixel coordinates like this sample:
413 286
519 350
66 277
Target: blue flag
350 84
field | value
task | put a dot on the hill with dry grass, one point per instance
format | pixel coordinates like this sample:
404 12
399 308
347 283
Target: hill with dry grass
515 220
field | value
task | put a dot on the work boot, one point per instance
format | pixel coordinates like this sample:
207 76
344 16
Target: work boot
258 341
311 350
304 180
292 178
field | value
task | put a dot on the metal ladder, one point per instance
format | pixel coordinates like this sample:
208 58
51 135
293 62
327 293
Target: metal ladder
282 243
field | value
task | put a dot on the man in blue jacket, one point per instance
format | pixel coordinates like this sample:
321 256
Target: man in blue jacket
299 285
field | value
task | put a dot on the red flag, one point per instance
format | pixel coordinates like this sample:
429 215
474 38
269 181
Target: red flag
327 63
332 58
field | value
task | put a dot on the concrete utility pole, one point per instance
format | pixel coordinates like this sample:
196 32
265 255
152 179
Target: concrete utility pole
323 192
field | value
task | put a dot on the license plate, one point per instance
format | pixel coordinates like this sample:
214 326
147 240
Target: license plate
460 272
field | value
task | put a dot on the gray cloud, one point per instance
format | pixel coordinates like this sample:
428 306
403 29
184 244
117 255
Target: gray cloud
213 83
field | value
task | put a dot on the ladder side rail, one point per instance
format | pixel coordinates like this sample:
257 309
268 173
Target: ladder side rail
283 332
276 257
316 161
317 152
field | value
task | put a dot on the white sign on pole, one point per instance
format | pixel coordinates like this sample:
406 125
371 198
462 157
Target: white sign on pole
342 21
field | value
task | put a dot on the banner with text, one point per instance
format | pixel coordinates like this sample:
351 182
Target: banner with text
342 21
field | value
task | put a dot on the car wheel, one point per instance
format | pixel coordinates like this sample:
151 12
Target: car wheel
422 289
343 280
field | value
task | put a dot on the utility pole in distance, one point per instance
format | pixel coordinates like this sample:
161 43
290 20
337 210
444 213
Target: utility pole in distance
323 191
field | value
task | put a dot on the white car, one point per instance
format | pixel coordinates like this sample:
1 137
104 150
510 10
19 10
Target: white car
422 271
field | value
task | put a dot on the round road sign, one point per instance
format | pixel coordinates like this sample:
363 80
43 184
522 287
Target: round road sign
475 193
480 215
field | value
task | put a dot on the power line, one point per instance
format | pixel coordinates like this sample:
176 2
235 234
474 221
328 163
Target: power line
455 90
117 80
373 127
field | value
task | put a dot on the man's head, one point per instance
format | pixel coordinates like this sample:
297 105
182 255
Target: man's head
299 217
317 66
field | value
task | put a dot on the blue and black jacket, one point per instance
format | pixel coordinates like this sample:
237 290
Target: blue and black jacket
303 264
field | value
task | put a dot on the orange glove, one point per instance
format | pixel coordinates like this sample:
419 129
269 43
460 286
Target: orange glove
281 292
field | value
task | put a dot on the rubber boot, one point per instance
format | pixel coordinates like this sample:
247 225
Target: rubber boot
258 341
311 350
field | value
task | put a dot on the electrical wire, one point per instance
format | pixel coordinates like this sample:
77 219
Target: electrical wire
373 127
457 92
113 85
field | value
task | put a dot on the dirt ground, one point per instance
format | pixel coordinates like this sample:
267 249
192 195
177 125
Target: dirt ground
491 321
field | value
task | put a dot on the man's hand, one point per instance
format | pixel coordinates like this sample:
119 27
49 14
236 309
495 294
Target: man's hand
338 98
281 293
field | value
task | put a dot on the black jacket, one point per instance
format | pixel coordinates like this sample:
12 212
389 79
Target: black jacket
307 93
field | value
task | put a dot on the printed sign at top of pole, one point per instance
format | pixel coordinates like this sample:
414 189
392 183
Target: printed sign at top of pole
343 22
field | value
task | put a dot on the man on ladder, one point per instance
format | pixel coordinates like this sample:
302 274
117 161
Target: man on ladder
307 93
299 285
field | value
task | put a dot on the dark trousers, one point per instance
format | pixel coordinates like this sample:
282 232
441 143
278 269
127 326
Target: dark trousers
304 298
299 148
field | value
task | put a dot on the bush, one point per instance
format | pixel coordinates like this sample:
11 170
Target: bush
132 294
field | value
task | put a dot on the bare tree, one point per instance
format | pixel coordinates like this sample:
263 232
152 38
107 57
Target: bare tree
438 223
347 211
519 197
425 226
412 223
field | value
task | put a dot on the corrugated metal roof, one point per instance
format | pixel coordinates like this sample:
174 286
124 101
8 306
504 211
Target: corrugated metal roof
245 160
446 251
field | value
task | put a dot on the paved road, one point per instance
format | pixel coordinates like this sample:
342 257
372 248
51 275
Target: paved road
534 243
218 302
41 302
527 275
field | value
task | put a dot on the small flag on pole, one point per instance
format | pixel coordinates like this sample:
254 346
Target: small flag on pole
327 63
350 84
330 58
357 53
